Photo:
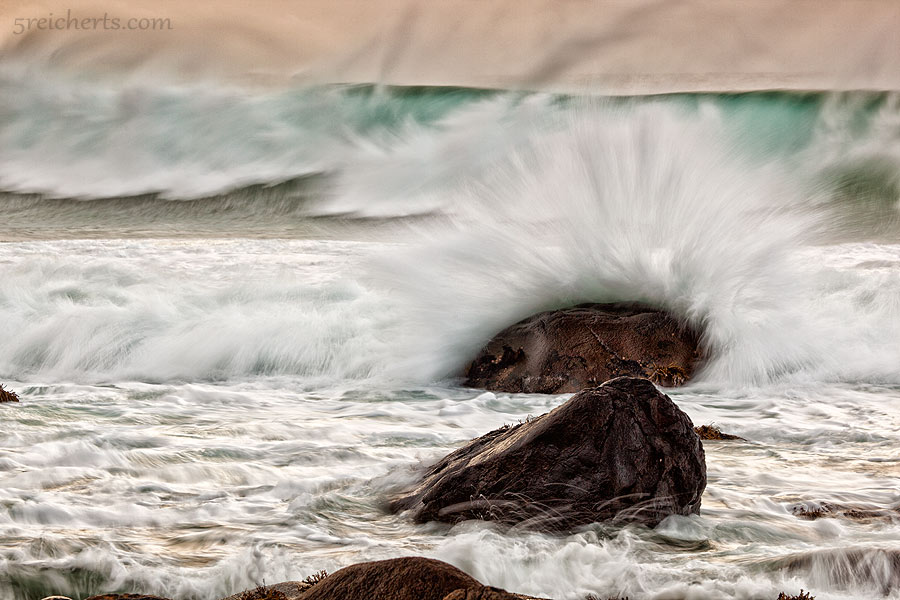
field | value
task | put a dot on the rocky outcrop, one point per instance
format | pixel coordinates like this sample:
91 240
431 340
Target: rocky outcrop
572 349
8 395
863 513
620 451
412 578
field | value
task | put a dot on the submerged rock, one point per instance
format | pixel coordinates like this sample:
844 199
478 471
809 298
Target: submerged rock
863 513
8 395
571 349
619 451
412 578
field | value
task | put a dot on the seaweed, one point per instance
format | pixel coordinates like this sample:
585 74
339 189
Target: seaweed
262 592
801 596
8 395
315 578
711 432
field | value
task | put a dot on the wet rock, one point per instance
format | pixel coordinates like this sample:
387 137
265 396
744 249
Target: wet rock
125 597
486 593
711 432
818 510
572 349
8 395
287 590
412 578
621 451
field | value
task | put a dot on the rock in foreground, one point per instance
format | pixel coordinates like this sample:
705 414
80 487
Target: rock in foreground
286 590
568 350
619 451
412 578
125 597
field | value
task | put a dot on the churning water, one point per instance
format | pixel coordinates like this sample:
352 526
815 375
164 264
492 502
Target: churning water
236 319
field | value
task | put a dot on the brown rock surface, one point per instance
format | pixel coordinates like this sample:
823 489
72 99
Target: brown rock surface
571 349
412 578
486 593
620 451
287 590
125 597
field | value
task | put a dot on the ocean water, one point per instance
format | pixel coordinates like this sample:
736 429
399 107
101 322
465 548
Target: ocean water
237 319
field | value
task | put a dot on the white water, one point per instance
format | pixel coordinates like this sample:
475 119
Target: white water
204 413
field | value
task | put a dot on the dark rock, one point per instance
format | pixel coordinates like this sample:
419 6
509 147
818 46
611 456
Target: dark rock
619 451
8 395
287 590
412 578
862 513
125 597
568 350
486 593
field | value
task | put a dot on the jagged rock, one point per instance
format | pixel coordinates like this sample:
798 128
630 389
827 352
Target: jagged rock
619 451
571 349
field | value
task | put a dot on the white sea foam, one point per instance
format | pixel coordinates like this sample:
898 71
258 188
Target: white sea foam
200 415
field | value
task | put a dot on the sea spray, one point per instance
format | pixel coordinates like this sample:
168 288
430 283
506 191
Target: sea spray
209 403
647 203
568 201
